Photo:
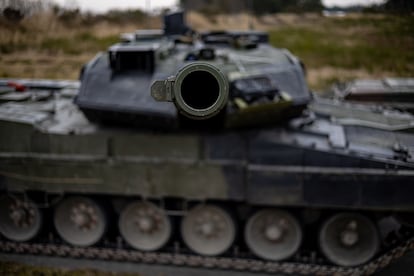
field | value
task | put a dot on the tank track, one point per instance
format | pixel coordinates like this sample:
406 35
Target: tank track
399 249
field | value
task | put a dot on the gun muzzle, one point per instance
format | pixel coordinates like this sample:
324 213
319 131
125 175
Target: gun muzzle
199 90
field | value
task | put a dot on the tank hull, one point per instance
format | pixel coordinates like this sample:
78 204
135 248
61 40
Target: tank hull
275 166
88 185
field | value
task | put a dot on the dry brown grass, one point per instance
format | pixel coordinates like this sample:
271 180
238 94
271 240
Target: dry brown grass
358 46
30 64
43 46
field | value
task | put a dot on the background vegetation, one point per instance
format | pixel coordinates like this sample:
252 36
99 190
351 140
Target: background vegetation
340 49
260 7
54 42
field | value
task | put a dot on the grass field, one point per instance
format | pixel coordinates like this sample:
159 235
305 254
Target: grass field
338 49
9 269
333 49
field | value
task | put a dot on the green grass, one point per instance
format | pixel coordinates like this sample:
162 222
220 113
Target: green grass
372 43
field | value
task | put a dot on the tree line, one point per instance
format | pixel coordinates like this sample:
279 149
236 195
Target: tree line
16 10
257 7
260 7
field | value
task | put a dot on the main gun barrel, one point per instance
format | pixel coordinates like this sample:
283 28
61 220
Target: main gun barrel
199 90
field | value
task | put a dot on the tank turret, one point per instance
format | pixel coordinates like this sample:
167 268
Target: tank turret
195 77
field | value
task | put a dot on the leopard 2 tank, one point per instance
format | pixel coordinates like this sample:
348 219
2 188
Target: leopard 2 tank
204 152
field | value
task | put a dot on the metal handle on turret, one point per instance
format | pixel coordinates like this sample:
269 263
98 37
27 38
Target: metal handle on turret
199 90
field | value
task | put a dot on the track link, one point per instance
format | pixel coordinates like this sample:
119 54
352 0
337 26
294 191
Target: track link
226 263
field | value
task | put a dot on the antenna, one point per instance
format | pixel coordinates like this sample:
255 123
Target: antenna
250 19
148 6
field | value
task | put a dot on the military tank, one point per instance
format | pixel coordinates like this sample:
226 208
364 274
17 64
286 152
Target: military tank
205 150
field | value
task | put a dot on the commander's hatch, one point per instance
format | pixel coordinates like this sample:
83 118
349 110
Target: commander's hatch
139 51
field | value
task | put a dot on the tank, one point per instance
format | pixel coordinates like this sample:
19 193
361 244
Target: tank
205 151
